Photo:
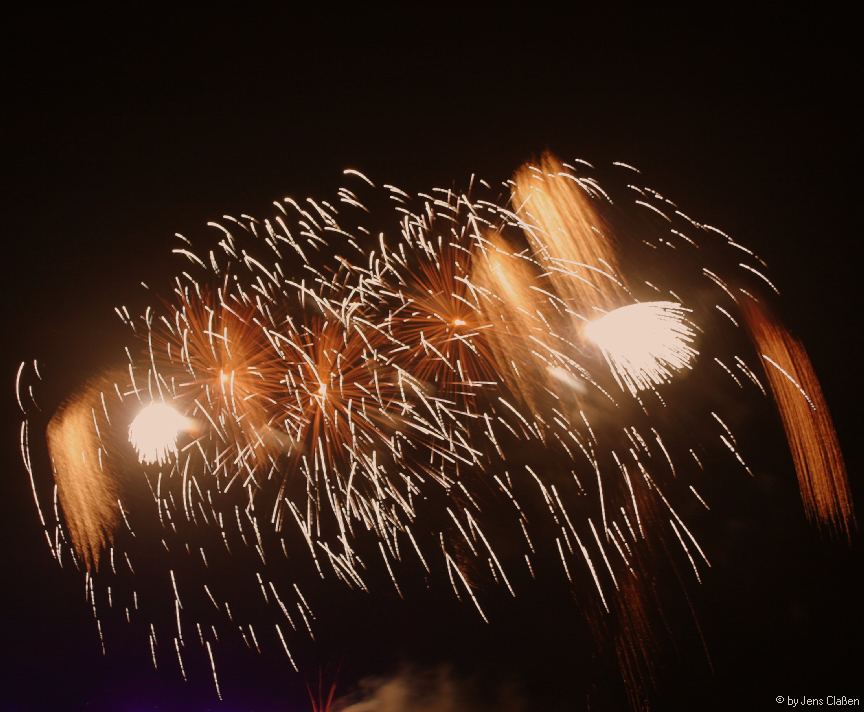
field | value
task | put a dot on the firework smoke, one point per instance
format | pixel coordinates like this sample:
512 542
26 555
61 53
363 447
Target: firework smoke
430 691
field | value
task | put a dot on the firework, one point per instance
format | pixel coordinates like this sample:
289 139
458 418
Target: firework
645 344
807 422
154 432
77 437
354 415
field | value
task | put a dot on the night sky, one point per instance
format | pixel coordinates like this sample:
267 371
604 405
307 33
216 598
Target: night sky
127 126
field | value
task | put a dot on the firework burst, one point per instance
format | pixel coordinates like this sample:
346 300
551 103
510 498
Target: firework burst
362 411
645 344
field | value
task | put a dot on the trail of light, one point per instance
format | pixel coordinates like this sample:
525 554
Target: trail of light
807 422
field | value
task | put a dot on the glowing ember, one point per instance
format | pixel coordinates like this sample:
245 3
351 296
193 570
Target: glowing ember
154 432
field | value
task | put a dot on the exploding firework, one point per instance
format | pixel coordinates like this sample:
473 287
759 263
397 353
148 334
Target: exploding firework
291 400
154 432
644 343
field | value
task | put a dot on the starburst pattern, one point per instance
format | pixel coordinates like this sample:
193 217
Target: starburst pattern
289 399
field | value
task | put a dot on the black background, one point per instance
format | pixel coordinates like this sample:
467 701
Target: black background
124 127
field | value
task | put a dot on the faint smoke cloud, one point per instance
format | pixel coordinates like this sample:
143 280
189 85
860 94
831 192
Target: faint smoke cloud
436 690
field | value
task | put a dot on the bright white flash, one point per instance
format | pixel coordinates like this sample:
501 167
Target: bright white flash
154 431
644 343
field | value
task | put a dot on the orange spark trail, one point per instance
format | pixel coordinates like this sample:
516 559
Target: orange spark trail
85 484
563 227
806 420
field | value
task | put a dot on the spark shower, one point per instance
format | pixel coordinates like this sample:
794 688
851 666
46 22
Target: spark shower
473 387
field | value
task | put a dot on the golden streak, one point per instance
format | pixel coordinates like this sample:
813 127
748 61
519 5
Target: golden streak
85 484
807 421
510 307
567 235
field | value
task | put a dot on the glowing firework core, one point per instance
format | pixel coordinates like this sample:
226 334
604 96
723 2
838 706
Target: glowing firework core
153 433
644 343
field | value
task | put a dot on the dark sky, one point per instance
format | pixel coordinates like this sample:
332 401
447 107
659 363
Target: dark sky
124 127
